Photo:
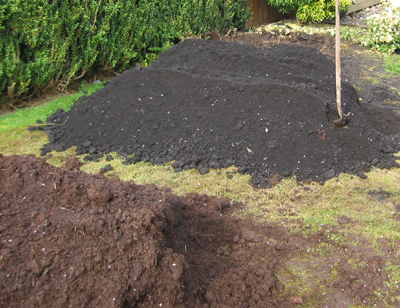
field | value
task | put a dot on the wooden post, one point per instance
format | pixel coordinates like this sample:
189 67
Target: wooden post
342 119
337 61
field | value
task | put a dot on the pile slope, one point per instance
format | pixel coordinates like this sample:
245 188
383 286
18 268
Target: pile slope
212 104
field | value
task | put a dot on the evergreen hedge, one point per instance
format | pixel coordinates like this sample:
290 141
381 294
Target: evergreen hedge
49 43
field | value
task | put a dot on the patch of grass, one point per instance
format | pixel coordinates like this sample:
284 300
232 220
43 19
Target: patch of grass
28 116
214 183
374 80
308 274
392 64
20 141
393 272
287 203
368 79
303 277
58 158
358 264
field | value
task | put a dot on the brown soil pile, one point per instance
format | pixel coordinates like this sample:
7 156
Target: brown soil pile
69 239
212 104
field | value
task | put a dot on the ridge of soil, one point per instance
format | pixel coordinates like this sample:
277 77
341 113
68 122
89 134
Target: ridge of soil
212 104
71 239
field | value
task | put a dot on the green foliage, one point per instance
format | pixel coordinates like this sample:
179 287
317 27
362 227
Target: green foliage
50 43
310 10
392 64
384 35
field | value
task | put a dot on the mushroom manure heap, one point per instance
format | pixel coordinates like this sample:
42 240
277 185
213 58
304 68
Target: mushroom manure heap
213 104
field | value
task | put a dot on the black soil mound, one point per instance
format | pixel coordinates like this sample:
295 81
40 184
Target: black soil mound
213 104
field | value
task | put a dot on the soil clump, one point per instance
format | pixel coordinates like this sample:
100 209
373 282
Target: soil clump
212 104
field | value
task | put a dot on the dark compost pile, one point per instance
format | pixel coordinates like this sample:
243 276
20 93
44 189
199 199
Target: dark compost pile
212 104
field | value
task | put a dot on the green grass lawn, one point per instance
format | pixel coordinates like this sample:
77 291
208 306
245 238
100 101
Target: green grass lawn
28 116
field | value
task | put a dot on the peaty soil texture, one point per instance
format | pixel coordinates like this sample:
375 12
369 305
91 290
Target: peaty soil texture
70 239
211 104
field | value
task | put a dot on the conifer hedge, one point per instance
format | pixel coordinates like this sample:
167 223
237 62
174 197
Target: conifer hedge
49 43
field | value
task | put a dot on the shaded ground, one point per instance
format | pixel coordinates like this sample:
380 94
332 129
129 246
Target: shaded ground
69 239
212 104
